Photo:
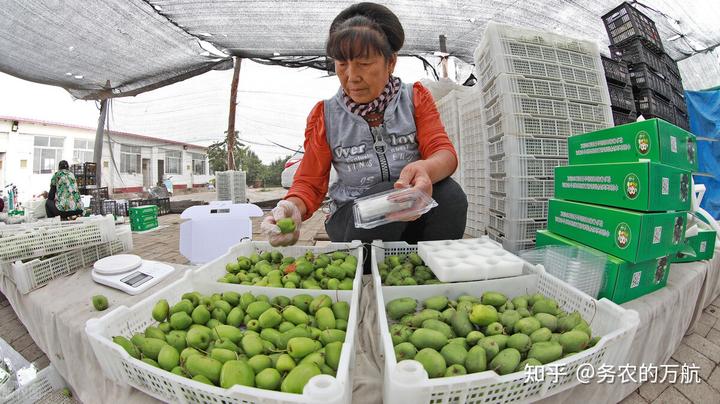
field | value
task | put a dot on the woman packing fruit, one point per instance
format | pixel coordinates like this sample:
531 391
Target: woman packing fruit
379 134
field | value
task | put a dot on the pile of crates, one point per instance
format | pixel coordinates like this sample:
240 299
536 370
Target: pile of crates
620 88
473 161
230 186
163 204
654 75
537 88
143 218
447 107
85 175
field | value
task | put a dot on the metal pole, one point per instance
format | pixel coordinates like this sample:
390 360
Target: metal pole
231 116
444 61
99 135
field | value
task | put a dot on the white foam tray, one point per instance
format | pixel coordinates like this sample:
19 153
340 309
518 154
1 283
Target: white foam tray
469 259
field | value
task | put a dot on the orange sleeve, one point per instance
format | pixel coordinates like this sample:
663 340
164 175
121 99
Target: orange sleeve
310 183
431 133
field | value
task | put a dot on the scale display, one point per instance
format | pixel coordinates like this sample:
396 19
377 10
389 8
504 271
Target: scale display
136 279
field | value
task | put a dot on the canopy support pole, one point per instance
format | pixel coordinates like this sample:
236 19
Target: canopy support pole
444 57
231 116
99 135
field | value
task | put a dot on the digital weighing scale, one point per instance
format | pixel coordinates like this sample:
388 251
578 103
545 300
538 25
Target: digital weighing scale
129 273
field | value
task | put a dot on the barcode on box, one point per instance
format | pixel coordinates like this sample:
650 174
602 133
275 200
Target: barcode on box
703 246
657 234
635 279
673 144
665 186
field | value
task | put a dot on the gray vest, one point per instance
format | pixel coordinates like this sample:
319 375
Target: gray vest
365 156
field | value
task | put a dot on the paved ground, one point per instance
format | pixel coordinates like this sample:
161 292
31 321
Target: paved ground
254 194
702 347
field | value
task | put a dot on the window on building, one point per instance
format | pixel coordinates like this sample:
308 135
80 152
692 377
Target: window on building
173 162
130 159
47 154
198 164
84 151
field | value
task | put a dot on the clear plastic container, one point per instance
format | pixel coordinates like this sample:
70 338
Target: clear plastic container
391 206
580 268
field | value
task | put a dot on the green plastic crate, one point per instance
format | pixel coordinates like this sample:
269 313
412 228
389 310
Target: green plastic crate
144 210
143 226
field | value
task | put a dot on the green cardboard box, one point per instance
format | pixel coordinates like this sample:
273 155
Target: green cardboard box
630 235
653 139
644 186
703 244
623 281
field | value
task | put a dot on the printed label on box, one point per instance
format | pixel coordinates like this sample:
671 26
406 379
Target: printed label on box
703 246
665 185
673 144
636 279
657 234
632 186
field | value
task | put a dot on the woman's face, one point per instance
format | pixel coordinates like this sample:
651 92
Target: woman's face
363 79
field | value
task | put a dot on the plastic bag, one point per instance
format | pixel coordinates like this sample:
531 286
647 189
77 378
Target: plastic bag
391 206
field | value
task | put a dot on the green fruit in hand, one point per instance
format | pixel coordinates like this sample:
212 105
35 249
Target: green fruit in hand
151 347
180 321
454 354
128 346
483 315
405 350
168 358
236 372
298 377
100 302
476 360
286 225
432 361
268 379
161 310
455 370
506 361
427 338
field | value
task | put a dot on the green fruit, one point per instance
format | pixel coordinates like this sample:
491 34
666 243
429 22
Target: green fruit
236 372
150 362
432 361
555 337
341 324
168 358
319 302
506 361
185 353
519 341
304 268
285 363
294 315
178 371
223 355
438 303
198 338
255 309
455 370
523 312
427 338
527 325
541 335
399 333
260 362
584 327
270 318
287 326
150 347
493 299
494 329
180 321
520 302
232 267
483 315
100 302
205 366
222 305
252 345
461 324
128 346
593 341
476 360
490 346
183 305
325 318
161 310
329 336
460 341
334 271
177 339
438 325
268 379
548 306
201 315
446 315
228 332
300 347
527 362
341 310
225 343
399 307
332 354
574 341
137 339
276 256
545 352
302 301
405 350
473 337
500 339
469 298
509 317
534 298
569 322
454 354
317 358
235 317
298 377
547 320
286 225
218 317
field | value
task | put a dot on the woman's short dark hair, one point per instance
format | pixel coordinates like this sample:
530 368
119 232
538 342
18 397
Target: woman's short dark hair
63 165
363 28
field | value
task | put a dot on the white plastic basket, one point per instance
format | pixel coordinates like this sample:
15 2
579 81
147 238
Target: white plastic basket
516 229
43 241
12 229
447 107
407 382
508 83
123 369
522 187
45 383
519 124
513 245
512 103
215 269
525 166
519 208
230 186
36 273
509 145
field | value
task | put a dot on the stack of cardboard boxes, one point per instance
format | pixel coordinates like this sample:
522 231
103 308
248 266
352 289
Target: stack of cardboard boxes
626 192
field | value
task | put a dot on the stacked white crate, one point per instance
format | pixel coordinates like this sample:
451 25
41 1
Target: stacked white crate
447 107
537 88
230 186
473 161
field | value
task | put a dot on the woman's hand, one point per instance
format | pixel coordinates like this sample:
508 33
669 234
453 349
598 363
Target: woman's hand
414 175
284 209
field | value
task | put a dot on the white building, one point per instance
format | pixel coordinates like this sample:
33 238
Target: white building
30 151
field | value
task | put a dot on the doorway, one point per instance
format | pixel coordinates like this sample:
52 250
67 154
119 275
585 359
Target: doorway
147 175
161 172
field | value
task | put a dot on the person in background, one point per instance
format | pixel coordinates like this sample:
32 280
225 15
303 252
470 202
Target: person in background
64 197
379 134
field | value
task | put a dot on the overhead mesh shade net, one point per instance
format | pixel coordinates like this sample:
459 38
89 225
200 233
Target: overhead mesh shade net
139 45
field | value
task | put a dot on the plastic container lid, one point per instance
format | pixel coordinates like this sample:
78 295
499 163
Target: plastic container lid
117 264
391 206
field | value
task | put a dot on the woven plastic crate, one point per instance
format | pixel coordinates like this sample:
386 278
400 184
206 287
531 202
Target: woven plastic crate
636 51
525 166
103 206
139 220
678 101
621 118
144 226
643 77
621 97
671 65
625 22
509 103
118 366
508 83
674 81
526 187
519 124
447 107
516 229
46 382
681 119
49 240
512 145
137 209
651 105
407 382
230 186
519 208
616 71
